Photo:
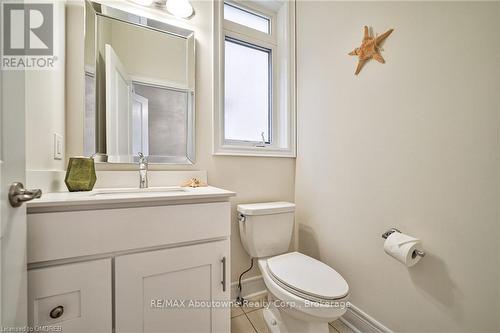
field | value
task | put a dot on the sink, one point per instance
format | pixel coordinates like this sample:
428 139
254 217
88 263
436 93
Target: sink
137 190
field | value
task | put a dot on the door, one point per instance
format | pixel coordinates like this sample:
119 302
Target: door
140 126
13 276
171 290
118 109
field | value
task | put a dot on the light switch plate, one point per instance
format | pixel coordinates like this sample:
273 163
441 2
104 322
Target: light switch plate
58 146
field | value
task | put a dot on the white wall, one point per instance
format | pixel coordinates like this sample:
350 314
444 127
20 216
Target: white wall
255 179
414 144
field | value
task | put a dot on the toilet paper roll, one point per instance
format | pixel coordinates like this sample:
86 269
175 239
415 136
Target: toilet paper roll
402 248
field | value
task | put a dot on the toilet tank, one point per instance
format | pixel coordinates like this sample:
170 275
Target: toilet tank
266 228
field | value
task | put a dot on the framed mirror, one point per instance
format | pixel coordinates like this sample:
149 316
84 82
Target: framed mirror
139 88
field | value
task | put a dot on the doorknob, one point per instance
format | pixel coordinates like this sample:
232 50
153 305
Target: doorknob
18 194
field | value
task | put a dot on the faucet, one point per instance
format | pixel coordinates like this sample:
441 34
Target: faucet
143 171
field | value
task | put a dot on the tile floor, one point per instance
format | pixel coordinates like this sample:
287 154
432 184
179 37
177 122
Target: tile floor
249 319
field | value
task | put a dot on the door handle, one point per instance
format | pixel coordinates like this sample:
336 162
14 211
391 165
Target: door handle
18 194
223 282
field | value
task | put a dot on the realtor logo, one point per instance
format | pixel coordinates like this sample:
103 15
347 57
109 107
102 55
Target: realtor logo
28 36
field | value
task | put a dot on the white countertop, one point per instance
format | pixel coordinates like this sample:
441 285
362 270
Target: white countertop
114 197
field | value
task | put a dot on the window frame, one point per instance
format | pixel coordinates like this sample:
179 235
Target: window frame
282 140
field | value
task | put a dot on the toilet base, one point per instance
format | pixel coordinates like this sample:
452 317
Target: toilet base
280 322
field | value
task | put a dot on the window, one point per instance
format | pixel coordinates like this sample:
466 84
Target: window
254 78
247 102
246 18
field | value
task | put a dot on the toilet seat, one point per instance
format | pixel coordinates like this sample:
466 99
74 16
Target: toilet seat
307 278
301 306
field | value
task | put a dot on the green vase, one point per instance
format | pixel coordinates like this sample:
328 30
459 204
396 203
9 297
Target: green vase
80 175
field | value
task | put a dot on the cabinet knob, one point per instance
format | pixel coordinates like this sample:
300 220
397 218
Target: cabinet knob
56 312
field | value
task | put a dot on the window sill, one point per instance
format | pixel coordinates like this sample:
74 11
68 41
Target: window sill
254 152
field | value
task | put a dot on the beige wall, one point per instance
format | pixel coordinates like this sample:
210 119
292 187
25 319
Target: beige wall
255 179
45 95
145 53
414 144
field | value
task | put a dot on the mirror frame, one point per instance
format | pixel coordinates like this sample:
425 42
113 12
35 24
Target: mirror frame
100 9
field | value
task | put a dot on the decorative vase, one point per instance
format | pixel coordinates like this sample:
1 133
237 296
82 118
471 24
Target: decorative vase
80 175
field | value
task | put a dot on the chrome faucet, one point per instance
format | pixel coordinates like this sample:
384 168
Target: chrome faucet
143 171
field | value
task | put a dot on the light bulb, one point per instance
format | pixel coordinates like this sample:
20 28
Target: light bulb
180 8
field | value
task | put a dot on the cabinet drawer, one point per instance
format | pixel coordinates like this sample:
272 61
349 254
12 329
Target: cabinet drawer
60 235
76 297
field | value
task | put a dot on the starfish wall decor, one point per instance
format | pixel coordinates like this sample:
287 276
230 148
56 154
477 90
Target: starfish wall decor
370 48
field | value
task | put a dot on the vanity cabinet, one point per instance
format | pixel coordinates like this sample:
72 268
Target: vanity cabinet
171 290
146 266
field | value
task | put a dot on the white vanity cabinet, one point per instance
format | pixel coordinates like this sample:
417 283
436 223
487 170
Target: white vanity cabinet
145 266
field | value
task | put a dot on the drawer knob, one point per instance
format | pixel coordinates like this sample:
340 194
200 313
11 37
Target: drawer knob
57 312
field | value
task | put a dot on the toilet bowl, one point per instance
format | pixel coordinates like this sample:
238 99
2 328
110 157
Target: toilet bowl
304 294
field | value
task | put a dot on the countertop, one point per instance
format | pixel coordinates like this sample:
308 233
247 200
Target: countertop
114 198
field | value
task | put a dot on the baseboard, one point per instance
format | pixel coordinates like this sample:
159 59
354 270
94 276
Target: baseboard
251 287
360 322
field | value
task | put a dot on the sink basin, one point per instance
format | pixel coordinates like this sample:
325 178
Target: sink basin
137 190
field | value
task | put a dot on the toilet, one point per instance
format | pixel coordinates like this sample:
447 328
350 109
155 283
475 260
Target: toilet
304 294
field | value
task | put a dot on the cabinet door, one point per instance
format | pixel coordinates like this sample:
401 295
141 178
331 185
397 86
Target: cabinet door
157 291
76 297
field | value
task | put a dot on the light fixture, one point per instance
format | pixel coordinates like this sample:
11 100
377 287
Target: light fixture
180 8
143 2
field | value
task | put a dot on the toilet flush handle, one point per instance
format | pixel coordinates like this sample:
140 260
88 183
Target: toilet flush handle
241 218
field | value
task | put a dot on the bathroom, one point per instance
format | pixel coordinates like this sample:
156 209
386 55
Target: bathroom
330 152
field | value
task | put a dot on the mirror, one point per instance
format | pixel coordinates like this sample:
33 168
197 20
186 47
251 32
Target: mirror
139 88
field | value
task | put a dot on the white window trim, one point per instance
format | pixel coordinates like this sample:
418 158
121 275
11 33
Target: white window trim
283 108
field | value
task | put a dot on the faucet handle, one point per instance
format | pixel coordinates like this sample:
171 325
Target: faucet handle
142 158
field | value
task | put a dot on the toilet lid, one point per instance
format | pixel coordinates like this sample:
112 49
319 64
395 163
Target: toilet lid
308 276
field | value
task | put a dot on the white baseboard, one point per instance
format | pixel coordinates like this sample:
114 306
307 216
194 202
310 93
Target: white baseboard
360 322
251 287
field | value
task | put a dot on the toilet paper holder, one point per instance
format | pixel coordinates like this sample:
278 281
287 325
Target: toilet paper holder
391 230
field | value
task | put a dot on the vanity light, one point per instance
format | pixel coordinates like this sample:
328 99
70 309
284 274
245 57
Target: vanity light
180 8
